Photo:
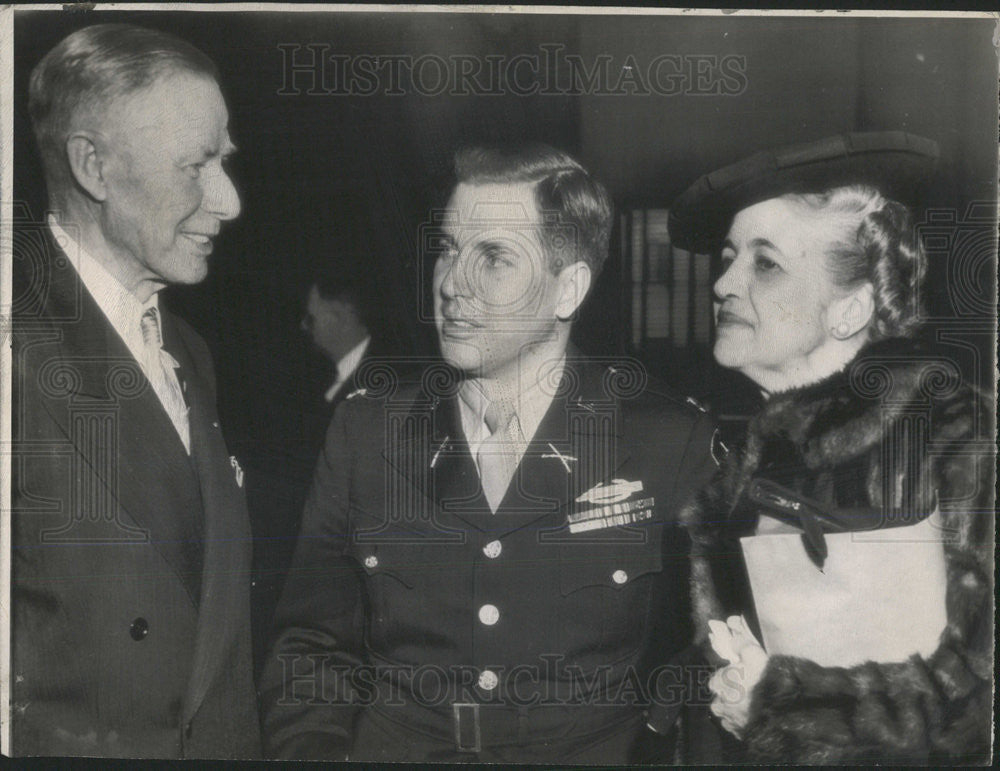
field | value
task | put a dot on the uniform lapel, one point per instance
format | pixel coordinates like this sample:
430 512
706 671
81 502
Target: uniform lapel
457 490
577 445
429 451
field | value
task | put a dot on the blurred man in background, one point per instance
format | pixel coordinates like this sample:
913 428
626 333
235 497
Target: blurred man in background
336 318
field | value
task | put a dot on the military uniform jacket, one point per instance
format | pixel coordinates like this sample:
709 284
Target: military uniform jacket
408 598
130 570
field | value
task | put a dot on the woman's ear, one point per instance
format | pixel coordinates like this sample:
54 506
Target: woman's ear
848 315
85 163
574 283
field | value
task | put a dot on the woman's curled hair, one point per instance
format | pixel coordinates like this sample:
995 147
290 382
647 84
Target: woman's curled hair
872 238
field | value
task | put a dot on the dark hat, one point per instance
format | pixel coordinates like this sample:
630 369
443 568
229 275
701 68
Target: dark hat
897 164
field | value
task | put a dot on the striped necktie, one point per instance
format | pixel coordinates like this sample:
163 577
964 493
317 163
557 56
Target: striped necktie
160 370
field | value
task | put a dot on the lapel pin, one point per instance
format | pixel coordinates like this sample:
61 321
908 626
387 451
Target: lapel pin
437 454
239 471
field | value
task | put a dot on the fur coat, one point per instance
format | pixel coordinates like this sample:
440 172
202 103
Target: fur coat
826 442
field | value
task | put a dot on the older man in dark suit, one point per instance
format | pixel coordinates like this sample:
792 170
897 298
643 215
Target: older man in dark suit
490 566
131 544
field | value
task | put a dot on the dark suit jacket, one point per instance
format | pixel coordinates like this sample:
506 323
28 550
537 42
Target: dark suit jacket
380 629
131 559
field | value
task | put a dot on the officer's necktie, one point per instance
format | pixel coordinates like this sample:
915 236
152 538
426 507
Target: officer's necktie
159 367
500 453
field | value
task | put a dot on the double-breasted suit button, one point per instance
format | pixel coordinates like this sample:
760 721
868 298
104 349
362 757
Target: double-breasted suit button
139 629
371 561
489 614
488 680
619 576
493 549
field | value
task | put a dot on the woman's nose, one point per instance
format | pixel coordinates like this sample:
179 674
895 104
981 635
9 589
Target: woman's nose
728 283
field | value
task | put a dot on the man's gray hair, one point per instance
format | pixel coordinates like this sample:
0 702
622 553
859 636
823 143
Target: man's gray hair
93 67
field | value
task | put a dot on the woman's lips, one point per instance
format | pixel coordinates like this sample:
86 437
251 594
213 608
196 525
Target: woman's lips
728 318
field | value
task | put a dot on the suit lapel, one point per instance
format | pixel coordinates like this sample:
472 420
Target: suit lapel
123 435
223 606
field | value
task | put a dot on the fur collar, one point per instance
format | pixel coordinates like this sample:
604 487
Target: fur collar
840 418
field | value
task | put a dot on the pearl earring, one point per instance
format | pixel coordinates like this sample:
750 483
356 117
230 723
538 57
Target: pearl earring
841 331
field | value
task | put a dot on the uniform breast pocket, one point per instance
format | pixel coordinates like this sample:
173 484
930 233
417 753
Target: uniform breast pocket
605 596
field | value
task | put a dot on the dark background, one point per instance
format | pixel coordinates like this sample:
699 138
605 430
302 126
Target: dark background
353 178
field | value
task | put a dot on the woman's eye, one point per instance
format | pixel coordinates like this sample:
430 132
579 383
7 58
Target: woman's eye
764 263
194 169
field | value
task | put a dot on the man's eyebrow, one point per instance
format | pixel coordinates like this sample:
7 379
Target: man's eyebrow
493 245
207 152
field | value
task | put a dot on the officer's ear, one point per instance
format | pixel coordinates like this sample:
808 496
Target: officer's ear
86 163
574 283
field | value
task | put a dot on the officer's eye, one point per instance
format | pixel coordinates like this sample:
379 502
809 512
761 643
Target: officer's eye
496 258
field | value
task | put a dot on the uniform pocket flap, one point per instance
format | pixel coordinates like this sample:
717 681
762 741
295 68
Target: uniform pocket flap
609 565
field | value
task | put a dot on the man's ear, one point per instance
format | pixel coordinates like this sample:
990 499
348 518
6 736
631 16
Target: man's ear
574 282
86 164
341 310
848 315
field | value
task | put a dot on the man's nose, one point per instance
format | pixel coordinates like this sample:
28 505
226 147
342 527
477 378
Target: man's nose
220 196
445 269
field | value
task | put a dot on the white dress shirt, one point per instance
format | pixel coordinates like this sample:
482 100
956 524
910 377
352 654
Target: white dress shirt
346 366
124 312
529 405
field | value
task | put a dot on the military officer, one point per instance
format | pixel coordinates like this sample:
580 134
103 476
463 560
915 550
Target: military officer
489 567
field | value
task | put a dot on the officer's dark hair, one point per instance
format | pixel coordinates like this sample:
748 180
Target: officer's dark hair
90 69
581 209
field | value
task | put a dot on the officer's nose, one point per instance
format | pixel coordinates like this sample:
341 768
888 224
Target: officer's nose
444 273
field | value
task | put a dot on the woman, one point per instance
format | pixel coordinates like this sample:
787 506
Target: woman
818 306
